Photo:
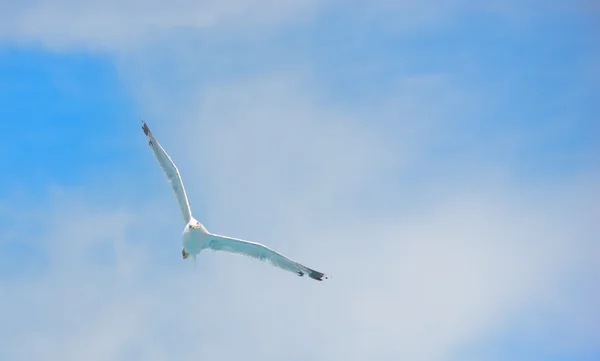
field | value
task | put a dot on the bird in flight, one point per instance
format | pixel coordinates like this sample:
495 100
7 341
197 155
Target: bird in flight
196 238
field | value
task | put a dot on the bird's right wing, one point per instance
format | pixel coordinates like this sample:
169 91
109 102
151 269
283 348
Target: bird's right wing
261 252
172 173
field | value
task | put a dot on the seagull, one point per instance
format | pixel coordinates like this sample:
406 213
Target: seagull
196 238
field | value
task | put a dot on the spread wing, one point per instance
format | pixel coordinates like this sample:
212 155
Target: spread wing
263 253
172 173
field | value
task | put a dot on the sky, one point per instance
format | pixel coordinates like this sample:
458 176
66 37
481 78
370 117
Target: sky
438 159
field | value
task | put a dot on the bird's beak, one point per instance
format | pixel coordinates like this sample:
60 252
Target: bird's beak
195 226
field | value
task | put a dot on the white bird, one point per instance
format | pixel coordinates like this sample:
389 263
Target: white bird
195 236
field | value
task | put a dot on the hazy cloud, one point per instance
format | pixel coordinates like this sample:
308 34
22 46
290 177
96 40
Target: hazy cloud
122 25
430 248
117 25
418 280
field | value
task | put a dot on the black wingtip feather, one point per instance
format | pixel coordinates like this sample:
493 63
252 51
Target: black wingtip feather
145 128
314 275
317 275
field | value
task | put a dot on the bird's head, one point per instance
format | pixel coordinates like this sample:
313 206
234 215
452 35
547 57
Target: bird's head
194 225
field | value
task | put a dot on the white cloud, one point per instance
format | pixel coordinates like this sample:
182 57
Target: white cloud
411 287
416 280
118 25
427 253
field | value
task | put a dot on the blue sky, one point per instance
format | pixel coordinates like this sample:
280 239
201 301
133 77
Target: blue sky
439 160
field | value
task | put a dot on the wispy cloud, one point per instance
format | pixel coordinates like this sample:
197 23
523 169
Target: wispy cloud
418 280
409 194
117 25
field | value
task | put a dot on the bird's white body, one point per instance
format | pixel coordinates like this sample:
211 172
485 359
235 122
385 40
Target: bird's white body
196 238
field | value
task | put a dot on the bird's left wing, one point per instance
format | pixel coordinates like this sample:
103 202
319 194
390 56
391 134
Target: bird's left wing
172 173
263 253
